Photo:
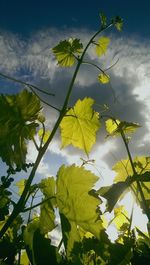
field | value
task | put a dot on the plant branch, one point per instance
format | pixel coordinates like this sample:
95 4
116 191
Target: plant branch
26 84
21 203
42 100
38 204
145 206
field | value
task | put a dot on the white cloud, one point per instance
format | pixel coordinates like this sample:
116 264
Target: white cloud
33 61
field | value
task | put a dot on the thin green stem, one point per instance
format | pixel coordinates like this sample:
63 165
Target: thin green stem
42 100
21 203
36 146
26 84
38 204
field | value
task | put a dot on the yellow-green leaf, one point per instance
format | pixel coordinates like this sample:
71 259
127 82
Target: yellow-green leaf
65 51
103 19
75 200
102 46
120 217
20 184
116 127
47 217
24 259
47 186
103 78
80 125
118 23
29 232
111 126
45 136
123 169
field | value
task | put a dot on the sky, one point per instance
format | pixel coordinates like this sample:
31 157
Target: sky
28 31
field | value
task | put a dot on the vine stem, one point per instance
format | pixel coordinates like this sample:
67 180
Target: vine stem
145 206
21 203
25 84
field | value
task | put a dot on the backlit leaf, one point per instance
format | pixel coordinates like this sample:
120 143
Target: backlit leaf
24 259
74 199
29 232
124 169
20 184
48 188
102 46
112 193
116 127
47 217
103 19
103 78
19 114
118 23
120 217
71 238
66 50
80 125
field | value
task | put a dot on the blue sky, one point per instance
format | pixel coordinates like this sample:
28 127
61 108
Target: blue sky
29 29
24 17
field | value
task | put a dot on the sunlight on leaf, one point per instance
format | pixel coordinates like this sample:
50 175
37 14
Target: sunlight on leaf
47 187
120 217
123 169
21 184
102 46
66 51
116 127
112 193
24 259
103 78
73 196
111 126
29 232
47 218
80 125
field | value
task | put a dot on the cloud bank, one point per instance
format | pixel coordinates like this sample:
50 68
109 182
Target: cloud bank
128 96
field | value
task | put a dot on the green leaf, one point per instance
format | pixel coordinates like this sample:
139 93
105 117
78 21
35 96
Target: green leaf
120 217
116 127
145 177
44 253
112 193
21 184
103 19
29 232
74 199
71 238
24 259
124 169
66 51
118 23
47 218
80 125
17 125
102 46
103 78
47 187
